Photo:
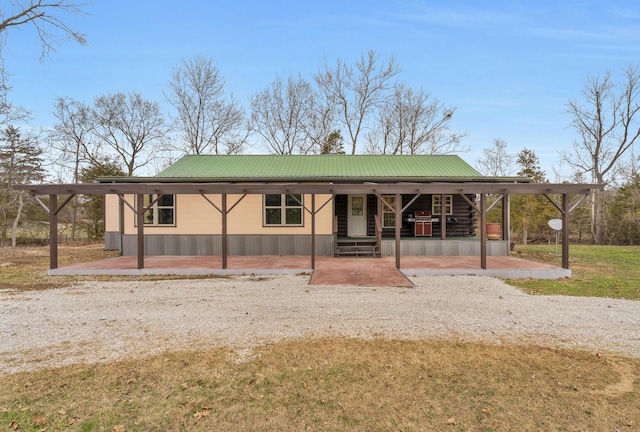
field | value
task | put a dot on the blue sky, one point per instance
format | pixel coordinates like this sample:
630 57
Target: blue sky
508 66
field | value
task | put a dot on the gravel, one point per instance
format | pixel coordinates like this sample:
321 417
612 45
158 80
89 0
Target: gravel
106 321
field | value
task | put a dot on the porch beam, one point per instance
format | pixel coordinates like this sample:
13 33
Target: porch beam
322 206
560 209
573 207
211 202
236 203
53 231
493 204
390 188
124 200
140 217
471 203
39 201
384 203
64 203
410 202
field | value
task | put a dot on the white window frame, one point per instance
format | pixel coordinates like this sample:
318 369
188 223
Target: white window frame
155 210
436 207
283 207
391 201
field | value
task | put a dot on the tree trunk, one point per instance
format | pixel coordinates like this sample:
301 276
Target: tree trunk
14 231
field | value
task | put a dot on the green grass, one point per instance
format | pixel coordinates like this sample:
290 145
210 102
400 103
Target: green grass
598 271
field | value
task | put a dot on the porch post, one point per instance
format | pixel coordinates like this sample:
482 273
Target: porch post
224 231
398 200
120 224
53 231
313 231
483 231
565 231
506 220
443 216
140 216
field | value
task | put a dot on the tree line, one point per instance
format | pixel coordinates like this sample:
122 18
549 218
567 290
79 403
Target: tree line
357 106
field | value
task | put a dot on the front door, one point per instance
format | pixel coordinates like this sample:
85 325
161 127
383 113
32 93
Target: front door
357 216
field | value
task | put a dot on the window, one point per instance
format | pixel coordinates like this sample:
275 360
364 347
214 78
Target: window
285 209
388 215
436 205
162 212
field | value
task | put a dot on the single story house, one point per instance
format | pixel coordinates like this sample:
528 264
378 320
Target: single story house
362 223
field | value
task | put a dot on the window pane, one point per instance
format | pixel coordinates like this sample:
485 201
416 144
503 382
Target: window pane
166 201
293 202
357 206
273 216
272 200
165 216
294 216
148 217
389 220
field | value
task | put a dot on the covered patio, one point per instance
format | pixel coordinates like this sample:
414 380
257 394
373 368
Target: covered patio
224 263
328 270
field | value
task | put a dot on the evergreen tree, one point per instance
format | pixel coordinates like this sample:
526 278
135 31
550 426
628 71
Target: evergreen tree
334 144
20 163
92 206
624 214
530 213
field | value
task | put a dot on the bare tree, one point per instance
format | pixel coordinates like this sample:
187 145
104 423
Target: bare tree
71 146
409 122
279 115
607 126
356 91
130 128
47 18
70 137
497 161
208 122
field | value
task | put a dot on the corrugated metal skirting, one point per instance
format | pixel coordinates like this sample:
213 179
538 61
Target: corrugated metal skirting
444 248
238 244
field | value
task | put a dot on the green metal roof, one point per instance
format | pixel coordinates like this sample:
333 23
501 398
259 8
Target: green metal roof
320 168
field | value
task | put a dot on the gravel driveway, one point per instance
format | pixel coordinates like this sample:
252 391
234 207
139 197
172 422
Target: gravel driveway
105 321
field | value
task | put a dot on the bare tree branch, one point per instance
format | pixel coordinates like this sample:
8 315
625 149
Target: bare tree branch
607 126
357 91
208 122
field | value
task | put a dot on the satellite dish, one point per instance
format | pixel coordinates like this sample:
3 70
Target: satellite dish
556 224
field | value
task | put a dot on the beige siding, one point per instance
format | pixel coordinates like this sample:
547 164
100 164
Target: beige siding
194 215
111 213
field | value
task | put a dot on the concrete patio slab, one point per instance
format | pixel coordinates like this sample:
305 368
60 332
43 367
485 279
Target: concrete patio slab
328 271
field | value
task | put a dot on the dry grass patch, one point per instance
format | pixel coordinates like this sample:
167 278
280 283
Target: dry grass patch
25 268
334 384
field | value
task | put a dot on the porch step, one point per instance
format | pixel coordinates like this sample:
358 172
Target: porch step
358 248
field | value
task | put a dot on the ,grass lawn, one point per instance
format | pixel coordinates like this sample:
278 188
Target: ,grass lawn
597 271
337 384
333 385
